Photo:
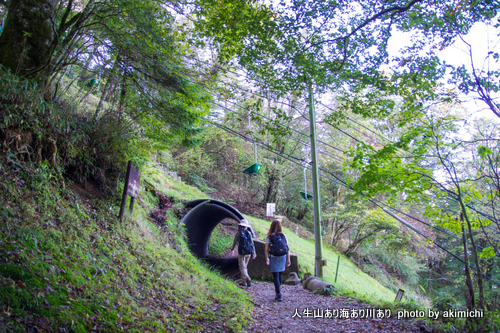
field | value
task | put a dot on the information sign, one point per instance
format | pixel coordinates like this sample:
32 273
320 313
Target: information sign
271 208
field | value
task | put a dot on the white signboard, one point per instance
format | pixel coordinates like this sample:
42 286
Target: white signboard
271 208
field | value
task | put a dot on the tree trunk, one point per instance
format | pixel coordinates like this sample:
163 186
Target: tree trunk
476 257
468 280
336 200
101 101
334 223
272 188
110 83
123 94
25 43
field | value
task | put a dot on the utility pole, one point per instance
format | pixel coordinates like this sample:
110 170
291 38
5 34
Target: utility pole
318 267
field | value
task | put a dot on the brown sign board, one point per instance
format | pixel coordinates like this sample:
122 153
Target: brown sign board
399 295
134 180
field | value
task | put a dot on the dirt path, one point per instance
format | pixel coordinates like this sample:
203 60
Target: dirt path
303 311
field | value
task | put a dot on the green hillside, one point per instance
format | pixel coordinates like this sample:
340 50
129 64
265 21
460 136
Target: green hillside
68 262
350 278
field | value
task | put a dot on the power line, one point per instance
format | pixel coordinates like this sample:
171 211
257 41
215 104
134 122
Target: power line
356 122
412 217
293 107
378 203
430 225
342 131
292 129
245 76
441 247
468 205
477 211
342 183
227 70
281 125
296 160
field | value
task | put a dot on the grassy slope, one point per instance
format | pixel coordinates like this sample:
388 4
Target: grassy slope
350 280
97 273
72 266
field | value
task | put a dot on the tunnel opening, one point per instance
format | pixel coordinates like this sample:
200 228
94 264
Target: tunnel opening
204 215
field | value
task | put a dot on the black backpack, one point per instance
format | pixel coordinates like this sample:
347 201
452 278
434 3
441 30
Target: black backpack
245 244
278 246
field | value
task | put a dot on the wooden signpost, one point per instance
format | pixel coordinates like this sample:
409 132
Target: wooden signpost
399 295
132 182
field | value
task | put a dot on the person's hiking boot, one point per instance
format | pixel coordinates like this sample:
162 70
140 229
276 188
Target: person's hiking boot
278 298
249 282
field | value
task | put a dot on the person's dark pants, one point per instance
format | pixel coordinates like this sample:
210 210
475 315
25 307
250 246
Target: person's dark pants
278 281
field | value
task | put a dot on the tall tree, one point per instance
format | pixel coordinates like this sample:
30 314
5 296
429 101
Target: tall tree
26 43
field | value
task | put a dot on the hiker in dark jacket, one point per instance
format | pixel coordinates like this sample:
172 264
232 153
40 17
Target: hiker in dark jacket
246 249
277 254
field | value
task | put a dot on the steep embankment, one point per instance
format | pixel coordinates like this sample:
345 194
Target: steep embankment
68 264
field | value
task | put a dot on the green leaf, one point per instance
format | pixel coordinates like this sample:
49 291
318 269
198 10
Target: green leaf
483 151
487 253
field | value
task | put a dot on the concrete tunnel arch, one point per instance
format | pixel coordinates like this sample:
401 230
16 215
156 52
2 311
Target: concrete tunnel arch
200 221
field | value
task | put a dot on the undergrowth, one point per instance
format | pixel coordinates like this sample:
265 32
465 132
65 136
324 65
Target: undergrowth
40 130
70 265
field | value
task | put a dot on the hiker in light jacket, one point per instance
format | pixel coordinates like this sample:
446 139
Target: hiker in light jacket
246 249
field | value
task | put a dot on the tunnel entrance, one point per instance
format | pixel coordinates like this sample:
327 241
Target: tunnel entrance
200 221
